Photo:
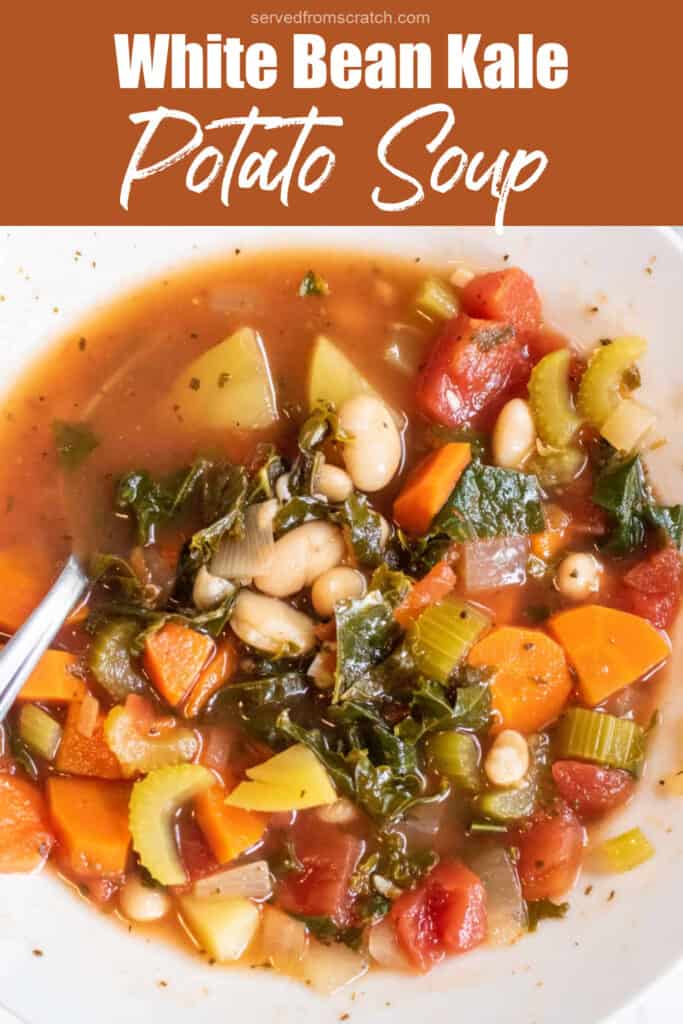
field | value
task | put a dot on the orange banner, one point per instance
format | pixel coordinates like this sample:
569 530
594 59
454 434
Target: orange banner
267 112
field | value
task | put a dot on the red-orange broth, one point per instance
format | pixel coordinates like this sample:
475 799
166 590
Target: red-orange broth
402 889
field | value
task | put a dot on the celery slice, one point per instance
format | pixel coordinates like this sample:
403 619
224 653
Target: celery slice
627 851
457 755
110 659
558 468
138 754
153 805
601 384
436 299
551 402
443 634
595 736
39 731
504 805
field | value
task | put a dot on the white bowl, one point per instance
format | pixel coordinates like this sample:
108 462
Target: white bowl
606 950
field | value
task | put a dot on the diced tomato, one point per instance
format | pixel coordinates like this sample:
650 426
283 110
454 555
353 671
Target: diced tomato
550 851
445 914
195 853
508 295
652 588
472 370
438 582
591 790
329 858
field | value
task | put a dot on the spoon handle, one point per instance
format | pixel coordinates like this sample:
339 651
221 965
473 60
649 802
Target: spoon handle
23 652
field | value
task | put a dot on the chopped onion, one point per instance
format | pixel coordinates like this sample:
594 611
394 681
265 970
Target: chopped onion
627 425
423 823
406 348
328 968
87 718
506 908
384 948
489 564
250 880
251 554
284 941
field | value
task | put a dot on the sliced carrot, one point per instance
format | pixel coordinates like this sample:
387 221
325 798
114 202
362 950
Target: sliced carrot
547 544
174 656
427 488
220 670
530 682
91 821
26 835
85 755
53 680
229 831
438 582
609 649
25 577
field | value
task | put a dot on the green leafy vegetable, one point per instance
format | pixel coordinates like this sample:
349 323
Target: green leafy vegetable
150 502
300 509
544 910
74 443
491 502
313 284
392 584
119 574
366 632
400 867
276 689
381 791
223 496
326 931
365 529
622 489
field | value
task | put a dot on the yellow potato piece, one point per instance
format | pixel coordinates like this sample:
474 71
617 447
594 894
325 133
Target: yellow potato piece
224 927
333 377
229 387
292 780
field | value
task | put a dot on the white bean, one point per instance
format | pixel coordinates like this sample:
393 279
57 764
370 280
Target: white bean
300 557
282 491
270 625
514 435
507 762
461 276
579 576
208 590
142 903
333 483
341 812
336 585
374 452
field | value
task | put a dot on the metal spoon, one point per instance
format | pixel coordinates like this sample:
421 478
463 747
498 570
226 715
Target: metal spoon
23 652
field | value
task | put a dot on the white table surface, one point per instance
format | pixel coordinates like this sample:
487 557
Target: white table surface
661 1004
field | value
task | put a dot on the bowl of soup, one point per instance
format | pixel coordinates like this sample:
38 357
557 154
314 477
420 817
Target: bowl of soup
371 704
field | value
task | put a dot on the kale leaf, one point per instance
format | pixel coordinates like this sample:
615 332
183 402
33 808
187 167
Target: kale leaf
150 502
313 284
366 632
543 910
74 442
491 502
364 529
623 491
382 791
